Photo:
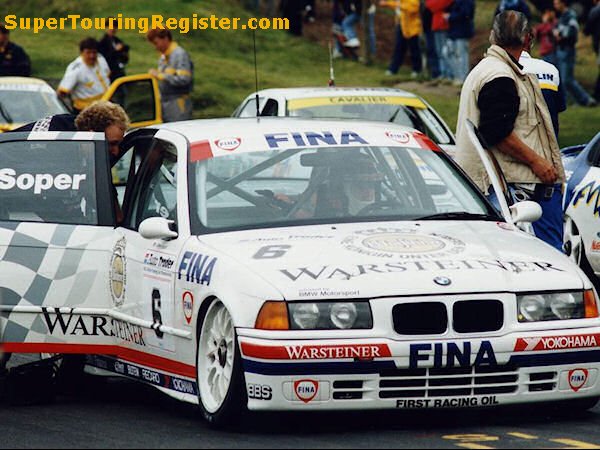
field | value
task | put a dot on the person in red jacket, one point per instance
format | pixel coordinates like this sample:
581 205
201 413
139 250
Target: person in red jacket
544 34
439 26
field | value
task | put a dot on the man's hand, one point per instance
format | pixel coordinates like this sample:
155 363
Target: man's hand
545 171
153 72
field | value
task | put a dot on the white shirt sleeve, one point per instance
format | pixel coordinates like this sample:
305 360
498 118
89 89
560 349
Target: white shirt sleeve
70 79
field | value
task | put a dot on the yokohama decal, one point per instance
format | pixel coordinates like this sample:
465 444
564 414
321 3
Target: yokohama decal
294 352
535 344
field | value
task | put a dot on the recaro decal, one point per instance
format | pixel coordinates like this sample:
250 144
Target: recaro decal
310 138
39 182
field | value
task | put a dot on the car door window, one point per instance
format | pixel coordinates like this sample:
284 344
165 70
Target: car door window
155 193
49 182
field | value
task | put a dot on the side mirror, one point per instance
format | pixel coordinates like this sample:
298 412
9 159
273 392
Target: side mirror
525 212
157 228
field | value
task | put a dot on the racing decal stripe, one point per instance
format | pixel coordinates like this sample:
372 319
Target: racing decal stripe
374 367
126 354
557 342
319 368
556 359
199 151
425 142
293 352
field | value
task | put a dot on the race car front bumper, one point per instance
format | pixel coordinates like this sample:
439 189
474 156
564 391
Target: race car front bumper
352 374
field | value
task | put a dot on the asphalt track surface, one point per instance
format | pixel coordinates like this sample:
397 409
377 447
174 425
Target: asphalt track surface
118 413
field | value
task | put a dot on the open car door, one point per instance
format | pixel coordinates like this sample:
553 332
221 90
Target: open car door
56 230
510 210
140 98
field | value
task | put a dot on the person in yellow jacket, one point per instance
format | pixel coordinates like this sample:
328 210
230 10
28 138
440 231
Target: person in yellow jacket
175 76
408 31
86 78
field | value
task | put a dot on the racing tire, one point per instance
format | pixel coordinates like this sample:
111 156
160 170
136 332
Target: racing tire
219 375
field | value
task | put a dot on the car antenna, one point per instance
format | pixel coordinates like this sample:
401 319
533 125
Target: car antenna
331 72
256 76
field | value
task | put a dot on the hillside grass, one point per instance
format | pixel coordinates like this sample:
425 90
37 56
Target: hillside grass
224 60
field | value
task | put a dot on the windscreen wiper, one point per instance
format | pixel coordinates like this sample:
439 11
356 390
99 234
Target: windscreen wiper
460 215
5 114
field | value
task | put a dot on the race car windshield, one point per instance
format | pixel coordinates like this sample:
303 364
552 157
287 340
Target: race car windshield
328 185
418 117
28 106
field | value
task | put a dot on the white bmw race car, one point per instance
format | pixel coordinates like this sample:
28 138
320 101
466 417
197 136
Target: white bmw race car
284 264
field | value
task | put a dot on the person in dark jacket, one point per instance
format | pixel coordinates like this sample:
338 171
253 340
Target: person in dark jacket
461 18
114 51
13 59
592 27
566 34
293 10
514 5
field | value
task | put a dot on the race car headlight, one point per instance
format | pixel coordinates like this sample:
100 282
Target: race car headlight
556 306
330 316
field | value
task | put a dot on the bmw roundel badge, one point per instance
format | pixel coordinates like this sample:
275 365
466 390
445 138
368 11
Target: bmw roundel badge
442 281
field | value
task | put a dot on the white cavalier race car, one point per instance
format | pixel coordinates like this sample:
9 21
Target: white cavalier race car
284 264
363 103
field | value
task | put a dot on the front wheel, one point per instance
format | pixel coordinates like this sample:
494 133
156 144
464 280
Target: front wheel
221 386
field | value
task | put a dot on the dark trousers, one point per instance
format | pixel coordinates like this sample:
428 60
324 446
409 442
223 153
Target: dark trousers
403 44
433 61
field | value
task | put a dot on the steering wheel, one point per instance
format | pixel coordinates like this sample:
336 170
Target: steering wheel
381 205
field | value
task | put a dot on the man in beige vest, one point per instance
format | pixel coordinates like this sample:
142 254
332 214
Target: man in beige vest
509 109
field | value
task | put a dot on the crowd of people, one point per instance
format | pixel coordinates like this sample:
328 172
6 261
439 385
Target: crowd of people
437 35
100 62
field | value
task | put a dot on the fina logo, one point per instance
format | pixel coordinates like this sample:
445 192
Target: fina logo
306 390
577 378
229 144
399 136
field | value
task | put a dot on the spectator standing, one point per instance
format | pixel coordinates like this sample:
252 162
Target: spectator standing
293 11
566 34
592 27
461 19
87 78
514 5
509 110
352 10
114 51
175 76
549 80
13 59
544 34
439 27
408 30
433 61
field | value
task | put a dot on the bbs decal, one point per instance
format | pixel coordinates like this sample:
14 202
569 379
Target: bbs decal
260 391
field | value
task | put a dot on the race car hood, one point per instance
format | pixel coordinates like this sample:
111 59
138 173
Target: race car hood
370 260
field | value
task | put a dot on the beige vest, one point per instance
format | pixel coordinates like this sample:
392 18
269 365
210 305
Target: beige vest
533 124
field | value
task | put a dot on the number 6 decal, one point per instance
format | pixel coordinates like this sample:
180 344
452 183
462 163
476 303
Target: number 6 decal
156 304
